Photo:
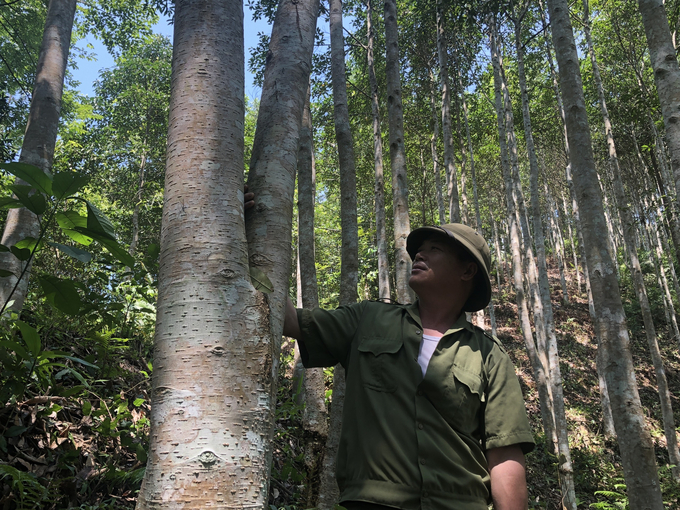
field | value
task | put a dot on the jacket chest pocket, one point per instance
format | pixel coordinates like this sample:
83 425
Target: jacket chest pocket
464 392
379 362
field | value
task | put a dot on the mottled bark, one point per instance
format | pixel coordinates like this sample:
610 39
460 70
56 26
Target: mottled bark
637 451
449 160
666 76
546 312
540 374
380 223
395 111
40 138
217 337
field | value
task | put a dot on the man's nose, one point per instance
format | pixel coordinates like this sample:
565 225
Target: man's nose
419 256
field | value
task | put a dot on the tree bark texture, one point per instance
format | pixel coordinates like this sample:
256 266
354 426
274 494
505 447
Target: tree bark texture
216 336
380 223
395 110
540 375
564 456
449 160
636 446
40 138
666 76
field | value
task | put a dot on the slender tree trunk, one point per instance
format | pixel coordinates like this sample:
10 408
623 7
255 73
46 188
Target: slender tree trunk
311 384
138 202
211 428
557 241
380 223
449 160
542 381
40 138
635 443
395 110
328 491
435 157
564 455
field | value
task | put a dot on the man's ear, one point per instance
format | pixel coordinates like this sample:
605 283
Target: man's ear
470 271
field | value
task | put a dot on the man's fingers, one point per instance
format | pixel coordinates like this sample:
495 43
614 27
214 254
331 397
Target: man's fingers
248 199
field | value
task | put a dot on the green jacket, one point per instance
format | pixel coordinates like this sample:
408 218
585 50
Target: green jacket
408 441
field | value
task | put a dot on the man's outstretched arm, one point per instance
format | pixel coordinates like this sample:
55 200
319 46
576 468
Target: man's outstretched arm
291 326
508 478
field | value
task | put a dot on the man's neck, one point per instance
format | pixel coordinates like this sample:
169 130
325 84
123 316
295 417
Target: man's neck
438 317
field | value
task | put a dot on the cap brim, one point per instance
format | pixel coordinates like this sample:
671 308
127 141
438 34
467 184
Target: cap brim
481 294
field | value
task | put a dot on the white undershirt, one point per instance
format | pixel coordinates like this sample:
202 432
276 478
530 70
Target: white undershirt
427 348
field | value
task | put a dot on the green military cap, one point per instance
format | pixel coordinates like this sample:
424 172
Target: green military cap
471 241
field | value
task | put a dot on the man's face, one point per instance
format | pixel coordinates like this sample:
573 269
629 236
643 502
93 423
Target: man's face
438 269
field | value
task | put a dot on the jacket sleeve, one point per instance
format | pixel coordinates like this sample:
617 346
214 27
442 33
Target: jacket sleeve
505 417
327 334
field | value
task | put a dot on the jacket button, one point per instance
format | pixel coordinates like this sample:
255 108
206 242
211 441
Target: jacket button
418 332
422 461
420 426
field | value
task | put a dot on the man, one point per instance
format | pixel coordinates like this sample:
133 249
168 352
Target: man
434 417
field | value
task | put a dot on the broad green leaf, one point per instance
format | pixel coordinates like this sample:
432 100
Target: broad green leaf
31 174
260 280
97 222
87 408
81 361
9 203
61 294
31 337
66 184
11 345
21 253
68 221
29 243
15 430
153 251
116 249
141 453
74 252
4 273
34 202
3 248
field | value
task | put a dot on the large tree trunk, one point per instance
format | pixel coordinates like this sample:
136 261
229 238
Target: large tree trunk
395 111
629 229
40 138
380 223
637 450
449 160
217 336
667 77
564 456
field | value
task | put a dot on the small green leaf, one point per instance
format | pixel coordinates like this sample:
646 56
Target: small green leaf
260 280
3 248
138 402
61 294
97 222
21 253
10 345
31 174
66 184
141 453
4 273
15 430
81 361
34 202
153 251
74 252
87 408
116 249
31 337
9 203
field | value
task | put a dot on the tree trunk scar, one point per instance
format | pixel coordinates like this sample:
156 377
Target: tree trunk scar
297 15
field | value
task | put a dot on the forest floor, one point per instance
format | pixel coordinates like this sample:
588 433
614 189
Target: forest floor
81 443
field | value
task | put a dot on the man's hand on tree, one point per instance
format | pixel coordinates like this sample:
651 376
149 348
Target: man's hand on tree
248 199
